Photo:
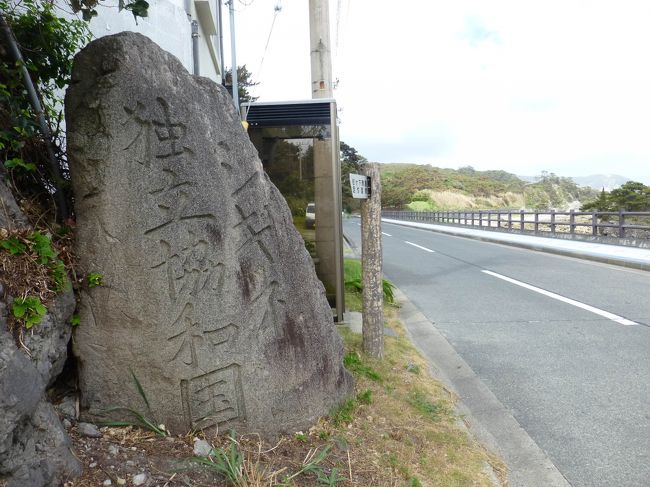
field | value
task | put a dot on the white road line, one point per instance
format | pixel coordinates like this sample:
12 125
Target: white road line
606 314
418 246
387 234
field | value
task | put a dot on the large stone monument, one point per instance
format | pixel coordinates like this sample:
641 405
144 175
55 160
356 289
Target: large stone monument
209 297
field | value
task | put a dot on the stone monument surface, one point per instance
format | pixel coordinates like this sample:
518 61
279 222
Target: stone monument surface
209 296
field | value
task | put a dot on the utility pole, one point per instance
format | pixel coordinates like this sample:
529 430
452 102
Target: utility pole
327 186
319 41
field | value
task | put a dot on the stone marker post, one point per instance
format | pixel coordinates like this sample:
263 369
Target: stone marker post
371 264
210 297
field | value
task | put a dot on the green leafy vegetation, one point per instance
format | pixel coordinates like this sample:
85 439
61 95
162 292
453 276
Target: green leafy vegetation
142 420
631 196
58 276
427 188
352 362
421 402
36 161
552 191
47 43
34 272
365 397
13 245
353 280
227 462
42 247
94 279
18 163
29 310
344 413
236 469
88 10
405 183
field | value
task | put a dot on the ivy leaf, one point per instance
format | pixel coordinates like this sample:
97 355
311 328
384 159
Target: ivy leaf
139 8
75 320
30 309
17 162
19 308
42 247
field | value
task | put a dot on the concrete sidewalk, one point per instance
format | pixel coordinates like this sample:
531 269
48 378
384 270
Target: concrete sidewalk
611 254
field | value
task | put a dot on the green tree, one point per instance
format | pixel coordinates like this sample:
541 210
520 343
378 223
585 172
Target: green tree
244 83
631 196
602 203
47 43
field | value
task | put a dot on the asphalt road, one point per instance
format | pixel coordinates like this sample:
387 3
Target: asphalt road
563 343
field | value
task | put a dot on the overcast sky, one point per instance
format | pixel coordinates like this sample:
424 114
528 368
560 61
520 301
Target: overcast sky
519 85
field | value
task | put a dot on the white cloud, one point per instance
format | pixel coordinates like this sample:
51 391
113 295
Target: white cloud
519 85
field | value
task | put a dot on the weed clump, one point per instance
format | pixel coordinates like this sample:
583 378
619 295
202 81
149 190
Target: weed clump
354 282
33 270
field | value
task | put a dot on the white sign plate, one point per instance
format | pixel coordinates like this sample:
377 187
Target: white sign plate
360 186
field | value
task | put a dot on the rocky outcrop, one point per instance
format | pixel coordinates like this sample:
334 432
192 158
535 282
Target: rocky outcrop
48 341
34 448
210 298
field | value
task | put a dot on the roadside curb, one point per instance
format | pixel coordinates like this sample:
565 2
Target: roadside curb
485 416
612 260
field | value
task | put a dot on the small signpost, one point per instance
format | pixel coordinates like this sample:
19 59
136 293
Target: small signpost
371 261
361 186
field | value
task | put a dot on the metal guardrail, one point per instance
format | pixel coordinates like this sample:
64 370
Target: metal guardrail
621 224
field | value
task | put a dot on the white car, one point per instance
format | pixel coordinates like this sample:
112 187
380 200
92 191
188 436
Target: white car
310 215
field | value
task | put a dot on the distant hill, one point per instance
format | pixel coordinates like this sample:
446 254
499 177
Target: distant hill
600 181
595 181
424 187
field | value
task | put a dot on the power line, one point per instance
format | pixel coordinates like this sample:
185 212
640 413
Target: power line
276 10
338 23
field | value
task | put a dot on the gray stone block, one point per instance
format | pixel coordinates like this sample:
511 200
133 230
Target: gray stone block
210 297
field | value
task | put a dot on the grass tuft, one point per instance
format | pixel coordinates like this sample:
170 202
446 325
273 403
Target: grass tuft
424 405
354 281
352 362
343 413
139 419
